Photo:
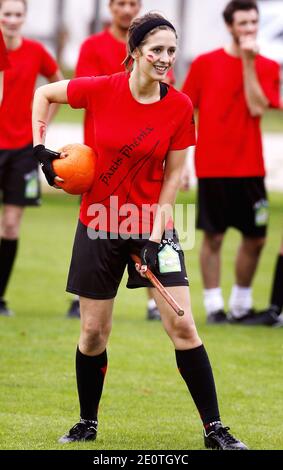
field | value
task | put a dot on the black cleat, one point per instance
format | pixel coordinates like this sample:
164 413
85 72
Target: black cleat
153 314
244 320
85 430
267 318
217 317
74 310
219 438
4 310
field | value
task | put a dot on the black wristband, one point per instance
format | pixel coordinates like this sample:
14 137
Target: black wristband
45 158
149 254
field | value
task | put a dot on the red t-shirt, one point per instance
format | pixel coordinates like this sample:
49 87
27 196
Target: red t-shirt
229 139
27 62
131 143
101 54
4 63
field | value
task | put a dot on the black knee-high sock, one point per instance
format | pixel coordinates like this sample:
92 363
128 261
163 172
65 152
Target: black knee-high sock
90 371
195 368
276 301
8 250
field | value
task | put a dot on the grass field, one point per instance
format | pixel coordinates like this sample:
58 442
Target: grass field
145 404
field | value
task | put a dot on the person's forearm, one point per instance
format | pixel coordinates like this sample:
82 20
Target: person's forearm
40 113
256 100
52 112
166 204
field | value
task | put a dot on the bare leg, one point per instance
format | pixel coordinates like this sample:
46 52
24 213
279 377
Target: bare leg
181 330
210 262
96 323
210 259
247 260
11 221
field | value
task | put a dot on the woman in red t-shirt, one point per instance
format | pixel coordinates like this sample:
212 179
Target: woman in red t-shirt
142 131
19 176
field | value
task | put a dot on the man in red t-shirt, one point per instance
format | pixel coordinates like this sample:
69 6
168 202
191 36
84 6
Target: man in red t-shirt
104 54
4 63
19 183
232 87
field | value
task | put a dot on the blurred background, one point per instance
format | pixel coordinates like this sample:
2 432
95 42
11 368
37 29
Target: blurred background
62 25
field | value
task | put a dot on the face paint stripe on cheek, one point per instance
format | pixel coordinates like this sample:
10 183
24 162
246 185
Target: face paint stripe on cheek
149 58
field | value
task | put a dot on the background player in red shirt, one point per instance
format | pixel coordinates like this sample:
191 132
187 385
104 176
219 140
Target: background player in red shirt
232 87
141 144
4 64
103 54
19 183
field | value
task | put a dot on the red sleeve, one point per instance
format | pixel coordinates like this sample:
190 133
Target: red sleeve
87 65
85 92
4 63
192 84
48 65
185 135
270 83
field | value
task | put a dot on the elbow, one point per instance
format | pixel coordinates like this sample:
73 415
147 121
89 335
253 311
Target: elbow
40 92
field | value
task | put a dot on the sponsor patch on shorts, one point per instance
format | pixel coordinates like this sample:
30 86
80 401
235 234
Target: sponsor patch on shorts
169 260
31 187
261 213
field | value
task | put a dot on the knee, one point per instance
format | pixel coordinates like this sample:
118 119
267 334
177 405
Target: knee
10 228
213 241
185 335
94 337
255 246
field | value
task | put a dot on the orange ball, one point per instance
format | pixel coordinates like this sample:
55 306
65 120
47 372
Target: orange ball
77 169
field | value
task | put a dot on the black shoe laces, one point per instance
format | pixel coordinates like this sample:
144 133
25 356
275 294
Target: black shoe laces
77 429
225 435
80 428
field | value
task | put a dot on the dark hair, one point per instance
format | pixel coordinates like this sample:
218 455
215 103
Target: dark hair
138 23
236 5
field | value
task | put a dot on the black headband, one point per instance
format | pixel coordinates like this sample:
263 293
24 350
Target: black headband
141 31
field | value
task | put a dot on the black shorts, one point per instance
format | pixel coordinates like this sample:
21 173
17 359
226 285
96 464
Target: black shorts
19 177
97 266
233 202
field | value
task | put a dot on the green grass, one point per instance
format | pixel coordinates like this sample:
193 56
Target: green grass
272 121
145 404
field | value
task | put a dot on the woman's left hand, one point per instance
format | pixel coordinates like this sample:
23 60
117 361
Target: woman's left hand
149 256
